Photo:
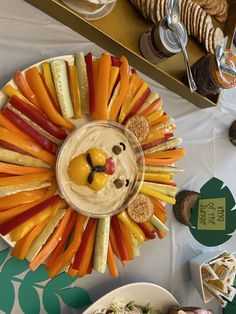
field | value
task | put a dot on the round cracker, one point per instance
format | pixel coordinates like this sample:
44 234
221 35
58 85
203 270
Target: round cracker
197 22
189 15
201 25
152 11
148 4
217 38
141 208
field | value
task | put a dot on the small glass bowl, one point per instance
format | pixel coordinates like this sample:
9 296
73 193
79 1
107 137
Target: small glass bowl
63 160
91 9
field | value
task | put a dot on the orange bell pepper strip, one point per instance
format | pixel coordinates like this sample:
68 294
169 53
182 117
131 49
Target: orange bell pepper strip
11 127
52 242
21 170
68 254
162 119
122 247
47 75
160 161
124 87
61 245
101 98
10 213
155 115
111 262
171 153
155 105
127 240
24 87
95 72
36 83
30 178
158 204
28 146
9 90
20 198
134 86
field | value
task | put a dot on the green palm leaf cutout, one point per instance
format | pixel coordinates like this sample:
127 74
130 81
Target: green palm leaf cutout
7 298
213 218
75 297
51 302
28 299
60 282
3 255
14 267
39 275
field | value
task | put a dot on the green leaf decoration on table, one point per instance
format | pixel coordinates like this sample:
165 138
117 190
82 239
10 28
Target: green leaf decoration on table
55 292
231 307
213 218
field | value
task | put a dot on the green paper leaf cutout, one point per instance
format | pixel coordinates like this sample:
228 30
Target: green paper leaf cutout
75 297
51 302
60 282
230 308
13 267
7 298
28 299
3 255
213 217
39 275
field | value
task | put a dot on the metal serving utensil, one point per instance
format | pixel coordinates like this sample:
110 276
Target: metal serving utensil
227 67
173 21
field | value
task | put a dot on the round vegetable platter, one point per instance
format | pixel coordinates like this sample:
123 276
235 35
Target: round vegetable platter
109 195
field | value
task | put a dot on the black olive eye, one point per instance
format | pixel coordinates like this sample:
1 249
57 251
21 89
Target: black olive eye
126 182
118 183
123 145
116 149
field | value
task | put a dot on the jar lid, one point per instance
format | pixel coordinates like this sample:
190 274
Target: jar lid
166 39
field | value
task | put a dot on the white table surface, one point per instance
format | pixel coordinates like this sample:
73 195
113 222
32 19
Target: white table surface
27 35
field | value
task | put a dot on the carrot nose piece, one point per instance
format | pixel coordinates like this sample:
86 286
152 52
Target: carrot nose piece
110 166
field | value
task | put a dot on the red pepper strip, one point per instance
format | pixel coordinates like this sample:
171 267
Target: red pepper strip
61 245
120 241
79 254
115 62
89 67
35 135
11 224
156 142
133 71
90 266
37 117
148 229
13 148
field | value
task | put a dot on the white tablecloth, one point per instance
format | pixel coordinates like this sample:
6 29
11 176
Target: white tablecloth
26 36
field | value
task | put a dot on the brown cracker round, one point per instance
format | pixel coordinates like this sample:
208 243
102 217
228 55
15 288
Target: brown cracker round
139 126
217 38
141 208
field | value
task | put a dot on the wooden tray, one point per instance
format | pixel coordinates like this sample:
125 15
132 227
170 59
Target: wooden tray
119 33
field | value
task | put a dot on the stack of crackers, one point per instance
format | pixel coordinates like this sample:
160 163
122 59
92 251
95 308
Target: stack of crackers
197 21
217 8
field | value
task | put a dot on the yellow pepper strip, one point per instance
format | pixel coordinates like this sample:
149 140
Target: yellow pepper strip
47 74
114 72
132 226
156 194
155 115
75 91
158 177
11 91
20 231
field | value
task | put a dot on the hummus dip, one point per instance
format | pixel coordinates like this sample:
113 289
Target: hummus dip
109 198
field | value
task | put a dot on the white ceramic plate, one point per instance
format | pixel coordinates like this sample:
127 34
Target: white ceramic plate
142 293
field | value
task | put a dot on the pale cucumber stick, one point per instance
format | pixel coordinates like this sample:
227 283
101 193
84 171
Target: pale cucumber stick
10 190
101 244
166 126
135 246
45 234
20 159
163 188
83 82
164 146
60 78
162 169
158 224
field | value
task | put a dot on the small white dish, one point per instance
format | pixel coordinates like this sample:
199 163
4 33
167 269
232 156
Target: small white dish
141 292
195 268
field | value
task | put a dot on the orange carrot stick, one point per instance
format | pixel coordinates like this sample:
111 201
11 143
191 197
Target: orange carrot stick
17 199
68 254
35 81
111 262
159 120
155 105
24 87
10 213
179 152
52 242
61 245
158 204
30 178
21 170
160 162
127 239
28 146
11 127
114 245
124 86
101 100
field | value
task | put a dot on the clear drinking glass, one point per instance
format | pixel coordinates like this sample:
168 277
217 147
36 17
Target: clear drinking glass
91 9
